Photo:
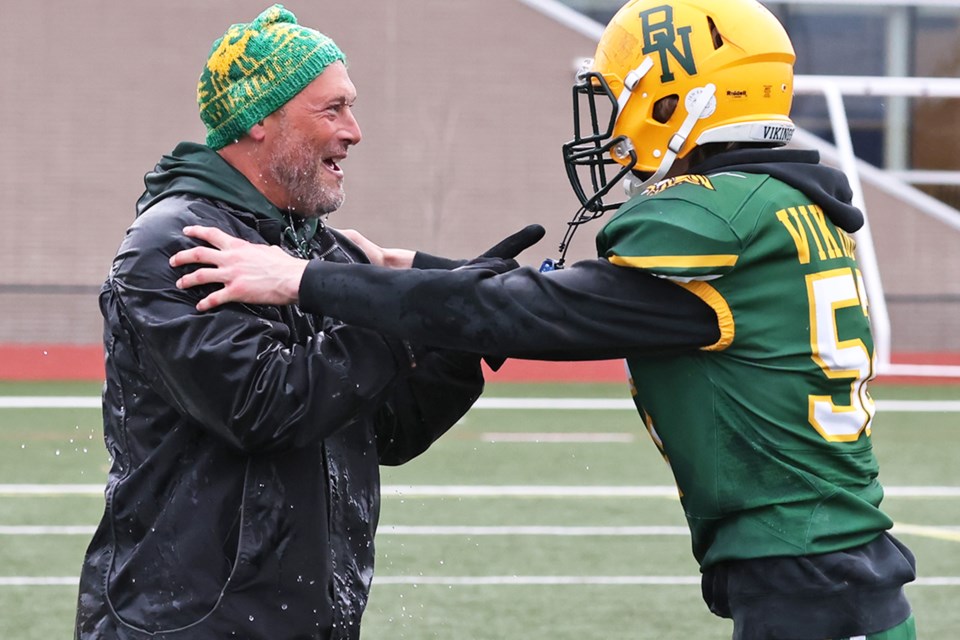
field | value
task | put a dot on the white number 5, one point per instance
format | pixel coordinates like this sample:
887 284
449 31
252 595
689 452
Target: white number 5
830 291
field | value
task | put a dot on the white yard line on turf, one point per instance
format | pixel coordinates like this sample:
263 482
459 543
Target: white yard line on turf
50 530
414 530
556 437
626 404
44 581
488 491
951 533
615 404
49 402
944 581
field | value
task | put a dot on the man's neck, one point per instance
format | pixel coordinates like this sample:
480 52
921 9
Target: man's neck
244 157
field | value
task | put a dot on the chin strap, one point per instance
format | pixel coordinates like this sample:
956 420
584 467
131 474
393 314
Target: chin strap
630 83
701 103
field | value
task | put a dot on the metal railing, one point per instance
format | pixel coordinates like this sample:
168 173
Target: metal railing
833 88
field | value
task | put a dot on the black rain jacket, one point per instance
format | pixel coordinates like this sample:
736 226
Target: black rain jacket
243 495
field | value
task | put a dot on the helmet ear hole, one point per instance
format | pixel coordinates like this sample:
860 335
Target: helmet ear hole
715 34
664 108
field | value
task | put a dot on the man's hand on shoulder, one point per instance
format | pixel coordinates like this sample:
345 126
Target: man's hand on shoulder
393 258
252 273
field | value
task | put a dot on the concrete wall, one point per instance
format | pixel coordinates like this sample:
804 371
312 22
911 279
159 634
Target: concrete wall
463 106
919 261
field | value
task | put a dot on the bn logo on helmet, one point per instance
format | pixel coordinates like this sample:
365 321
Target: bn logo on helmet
660 35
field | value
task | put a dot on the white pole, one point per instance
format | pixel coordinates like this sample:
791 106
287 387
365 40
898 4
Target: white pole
896 125
867 256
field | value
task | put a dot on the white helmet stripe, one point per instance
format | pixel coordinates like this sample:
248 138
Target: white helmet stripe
774 131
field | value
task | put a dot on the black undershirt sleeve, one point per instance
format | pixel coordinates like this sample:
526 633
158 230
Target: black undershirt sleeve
592 310
423 260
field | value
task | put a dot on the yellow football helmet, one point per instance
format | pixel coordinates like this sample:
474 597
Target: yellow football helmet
668 76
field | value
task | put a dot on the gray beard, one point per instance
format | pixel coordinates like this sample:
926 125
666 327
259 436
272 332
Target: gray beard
296 169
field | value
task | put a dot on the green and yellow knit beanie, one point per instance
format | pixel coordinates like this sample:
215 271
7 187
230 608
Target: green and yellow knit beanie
255 68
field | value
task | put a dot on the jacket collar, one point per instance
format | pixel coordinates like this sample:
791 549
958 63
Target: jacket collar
198 170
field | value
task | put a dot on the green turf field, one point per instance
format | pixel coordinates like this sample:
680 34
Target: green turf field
543 522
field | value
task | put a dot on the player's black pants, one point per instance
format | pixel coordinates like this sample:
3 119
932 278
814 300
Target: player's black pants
846 593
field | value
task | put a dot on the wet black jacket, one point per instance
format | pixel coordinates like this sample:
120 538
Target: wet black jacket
243 495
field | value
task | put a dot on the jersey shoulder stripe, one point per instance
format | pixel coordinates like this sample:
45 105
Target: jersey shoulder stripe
721 307
683 228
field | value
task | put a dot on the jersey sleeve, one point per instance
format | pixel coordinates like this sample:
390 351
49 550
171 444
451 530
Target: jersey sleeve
670 238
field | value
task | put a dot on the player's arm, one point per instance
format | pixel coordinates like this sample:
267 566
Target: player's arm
592 310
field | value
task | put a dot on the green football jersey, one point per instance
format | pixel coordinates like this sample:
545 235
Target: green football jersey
767 431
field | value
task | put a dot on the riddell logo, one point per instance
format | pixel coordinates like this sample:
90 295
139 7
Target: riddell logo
738 93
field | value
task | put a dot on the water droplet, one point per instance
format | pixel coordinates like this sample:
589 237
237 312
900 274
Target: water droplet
57 452
283 606
251 618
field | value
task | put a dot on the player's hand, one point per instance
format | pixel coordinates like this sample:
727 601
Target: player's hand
497 265
513 245
252 273
500 258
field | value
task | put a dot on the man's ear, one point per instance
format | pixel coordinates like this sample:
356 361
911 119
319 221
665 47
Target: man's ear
258 132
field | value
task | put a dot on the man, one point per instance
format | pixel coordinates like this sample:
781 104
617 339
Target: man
728 282
243 495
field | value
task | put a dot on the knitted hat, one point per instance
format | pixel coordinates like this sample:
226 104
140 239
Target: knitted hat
255 68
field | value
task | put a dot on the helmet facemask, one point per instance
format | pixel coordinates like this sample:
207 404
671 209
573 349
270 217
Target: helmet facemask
589 157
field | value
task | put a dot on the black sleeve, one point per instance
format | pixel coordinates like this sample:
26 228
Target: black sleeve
592 310
422 260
